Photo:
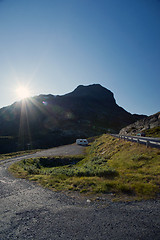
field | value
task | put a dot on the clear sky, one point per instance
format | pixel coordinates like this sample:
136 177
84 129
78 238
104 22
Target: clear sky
52 46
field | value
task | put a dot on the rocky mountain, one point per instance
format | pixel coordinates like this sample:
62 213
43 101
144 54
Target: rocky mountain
47 120
143 125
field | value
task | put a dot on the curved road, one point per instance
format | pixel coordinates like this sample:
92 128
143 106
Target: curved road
27 211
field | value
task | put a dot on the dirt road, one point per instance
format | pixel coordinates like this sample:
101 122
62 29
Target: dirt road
27 211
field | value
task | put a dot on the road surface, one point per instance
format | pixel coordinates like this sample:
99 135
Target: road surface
28 211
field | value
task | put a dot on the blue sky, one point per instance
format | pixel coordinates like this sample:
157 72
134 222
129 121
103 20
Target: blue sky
52 46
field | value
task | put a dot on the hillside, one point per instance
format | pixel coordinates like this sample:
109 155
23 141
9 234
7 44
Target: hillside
148 125
111 166
46 120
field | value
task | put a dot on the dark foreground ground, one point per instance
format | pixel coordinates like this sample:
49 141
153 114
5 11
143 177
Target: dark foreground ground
28 211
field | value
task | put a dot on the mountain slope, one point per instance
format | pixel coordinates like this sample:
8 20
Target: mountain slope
144 125
48 120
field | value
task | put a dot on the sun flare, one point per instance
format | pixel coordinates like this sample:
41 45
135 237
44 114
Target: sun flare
23 92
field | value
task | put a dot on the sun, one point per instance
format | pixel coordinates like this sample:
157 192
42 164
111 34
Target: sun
23 92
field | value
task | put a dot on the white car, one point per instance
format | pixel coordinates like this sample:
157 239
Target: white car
82 142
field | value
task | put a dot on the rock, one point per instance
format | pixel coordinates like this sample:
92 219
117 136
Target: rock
142 125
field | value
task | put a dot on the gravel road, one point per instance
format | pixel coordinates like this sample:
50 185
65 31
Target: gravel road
27 211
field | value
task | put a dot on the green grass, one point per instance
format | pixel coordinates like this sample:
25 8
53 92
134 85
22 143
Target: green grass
153 132
16 154
110 165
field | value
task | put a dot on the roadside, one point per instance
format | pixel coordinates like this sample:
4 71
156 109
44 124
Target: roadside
71 149
28 211
111 166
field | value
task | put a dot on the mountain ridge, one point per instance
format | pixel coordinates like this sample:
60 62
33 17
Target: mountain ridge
50 120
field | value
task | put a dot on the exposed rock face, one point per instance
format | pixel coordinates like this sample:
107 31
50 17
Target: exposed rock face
48 120
142 125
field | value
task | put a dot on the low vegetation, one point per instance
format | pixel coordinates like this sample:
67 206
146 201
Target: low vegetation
16 154
110 165
153 132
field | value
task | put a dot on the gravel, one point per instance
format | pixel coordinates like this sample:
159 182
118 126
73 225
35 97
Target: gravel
28 211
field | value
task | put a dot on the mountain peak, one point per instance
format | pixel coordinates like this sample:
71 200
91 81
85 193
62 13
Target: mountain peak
95 91
48 120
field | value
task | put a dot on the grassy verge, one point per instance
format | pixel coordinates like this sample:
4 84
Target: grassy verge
16 154
110 165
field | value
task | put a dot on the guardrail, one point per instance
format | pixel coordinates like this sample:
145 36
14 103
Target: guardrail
148 142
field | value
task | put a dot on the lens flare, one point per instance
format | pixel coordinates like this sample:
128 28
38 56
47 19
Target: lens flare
23 92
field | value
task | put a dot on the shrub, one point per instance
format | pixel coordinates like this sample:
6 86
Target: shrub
32 170
107 173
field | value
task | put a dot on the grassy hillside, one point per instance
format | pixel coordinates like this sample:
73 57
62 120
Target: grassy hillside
110 165
153 132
